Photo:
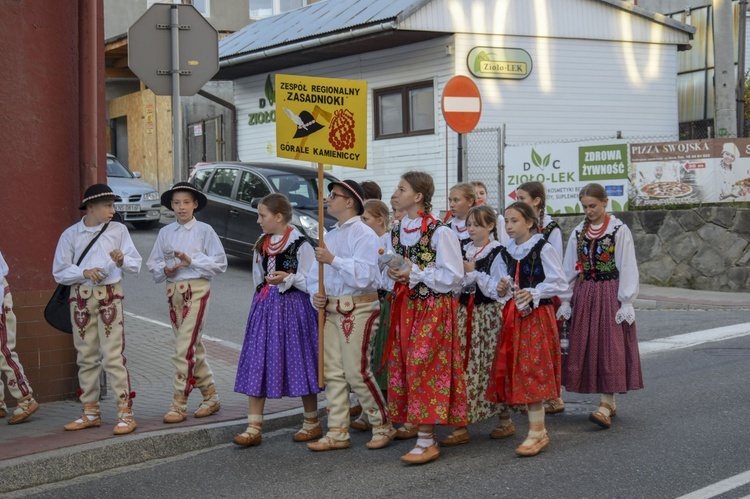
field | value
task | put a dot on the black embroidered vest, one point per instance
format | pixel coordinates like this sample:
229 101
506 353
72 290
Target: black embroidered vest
482 265
286 261
532 270
598 257
547 230
420 253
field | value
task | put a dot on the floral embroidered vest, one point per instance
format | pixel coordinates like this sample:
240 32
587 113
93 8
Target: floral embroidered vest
547 230
420 253
482 265
532 270
286 261
596 261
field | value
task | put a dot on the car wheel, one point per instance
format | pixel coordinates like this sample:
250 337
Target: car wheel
145 225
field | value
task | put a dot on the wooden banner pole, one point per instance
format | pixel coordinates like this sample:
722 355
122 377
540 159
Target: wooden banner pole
321 284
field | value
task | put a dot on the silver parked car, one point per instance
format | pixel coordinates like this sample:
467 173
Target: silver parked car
140 204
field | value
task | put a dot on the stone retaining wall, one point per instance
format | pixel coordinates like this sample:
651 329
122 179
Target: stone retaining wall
701 248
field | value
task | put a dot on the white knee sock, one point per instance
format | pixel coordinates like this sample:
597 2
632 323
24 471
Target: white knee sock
424 439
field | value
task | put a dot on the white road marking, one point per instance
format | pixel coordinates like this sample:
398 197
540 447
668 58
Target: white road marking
229 344
688 340
719 488
461 104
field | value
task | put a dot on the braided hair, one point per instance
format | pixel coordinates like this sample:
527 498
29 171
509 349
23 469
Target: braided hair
423 184
536 190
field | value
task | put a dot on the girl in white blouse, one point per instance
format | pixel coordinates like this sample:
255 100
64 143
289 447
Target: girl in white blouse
601 269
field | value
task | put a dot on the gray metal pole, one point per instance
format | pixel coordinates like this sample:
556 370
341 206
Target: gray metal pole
460 160
501 169
725 117
176 109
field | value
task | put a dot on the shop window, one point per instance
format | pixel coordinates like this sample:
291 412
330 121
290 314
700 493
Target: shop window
405 110
265 8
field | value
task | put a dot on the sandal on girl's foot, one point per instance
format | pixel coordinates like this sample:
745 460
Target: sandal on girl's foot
250 437
406 432
501 431
361 425
457 437
533 446
554 406
308 434
84 422
601 418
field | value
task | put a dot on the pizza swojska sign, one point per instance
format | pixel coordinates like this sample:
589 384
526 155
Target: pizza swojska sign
322 120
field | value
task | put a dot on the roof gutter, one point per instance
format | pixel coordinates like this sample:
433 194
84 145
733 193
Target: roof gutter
308 44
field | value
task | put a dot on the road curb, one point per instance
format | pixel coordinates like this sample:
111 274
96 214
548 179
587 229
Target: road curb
656 304
71 462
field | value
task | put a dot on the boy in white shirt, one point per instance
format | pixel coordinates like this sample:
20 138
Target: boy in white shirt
351 277
187 254
18 385
96 304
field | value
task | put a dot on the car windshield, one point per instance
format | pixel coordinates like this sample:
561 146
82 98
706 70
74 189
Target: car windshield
301 191
117 170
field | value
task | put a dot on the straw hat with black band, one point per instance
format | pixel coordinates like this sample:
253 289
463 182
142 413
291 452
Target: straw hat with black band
98 192
166 198
353 188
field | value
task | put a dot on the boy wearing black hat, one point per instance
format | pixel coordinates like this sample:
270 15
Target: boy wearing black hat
96 303
187 254
352 316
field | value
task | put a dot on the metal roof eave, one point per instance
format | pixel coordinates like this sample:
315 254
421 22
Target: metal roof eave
652 16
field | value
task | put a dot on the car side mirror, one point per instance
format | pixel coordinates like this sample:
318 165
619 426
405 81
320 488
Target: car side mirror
137 174
255 202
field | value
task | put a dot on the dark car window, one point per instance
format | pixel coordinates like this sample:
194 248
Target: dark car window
201 177
301 191
116 169
251 186
222 182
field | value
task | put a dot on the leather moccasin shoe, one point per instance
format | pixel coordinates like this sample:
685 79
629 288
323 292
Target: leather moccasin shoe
304 435
535 448
125 426
84 422
455 439
248 439
355 411
503 431
361 425
405 433
381 437
429 454
602 419
554 406
327 443
29 407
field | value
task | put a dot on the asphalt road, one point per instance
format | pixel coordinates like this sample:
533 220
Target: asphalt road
232 293
686 430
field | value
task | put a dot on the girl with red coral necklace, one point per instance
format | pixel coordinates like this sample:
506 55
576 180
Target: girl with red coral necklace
602 272
526 370
279 356
427 384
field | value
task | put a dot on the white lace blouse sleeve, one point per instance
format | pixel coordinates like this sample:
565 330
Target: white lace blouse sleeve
628 268
554 283
306 260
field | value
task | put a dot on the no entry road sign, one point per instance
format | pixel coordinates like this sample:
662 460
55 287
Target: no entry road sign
462 104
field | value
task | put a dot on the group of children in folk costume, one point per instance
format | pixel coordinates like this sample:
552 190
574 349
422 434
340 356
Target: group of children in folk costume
445 355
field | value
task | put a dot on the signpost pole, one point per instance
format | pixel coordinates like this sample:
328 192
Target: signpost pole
321 284
176 110
460 162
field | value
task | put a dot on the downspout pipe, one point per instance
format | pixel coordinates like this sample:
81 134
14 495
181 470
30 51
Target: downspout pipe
88 95
308 44
741 70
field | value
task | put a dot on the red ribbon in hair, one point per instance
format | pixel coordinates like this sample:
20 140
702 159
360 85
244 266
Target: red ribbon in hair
448 216
398 304
426 219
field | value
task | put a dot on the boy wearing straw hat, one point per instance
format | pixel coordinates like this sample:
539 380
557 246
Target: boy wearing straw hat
187 255
96 304
352 315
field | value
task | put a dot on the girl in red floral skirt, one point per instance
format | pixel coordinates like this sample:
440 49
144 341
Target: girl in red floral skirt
602 271
526 370
427 385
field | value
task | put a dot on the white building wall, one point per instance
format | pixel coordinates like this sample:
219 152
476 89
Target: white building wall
578 89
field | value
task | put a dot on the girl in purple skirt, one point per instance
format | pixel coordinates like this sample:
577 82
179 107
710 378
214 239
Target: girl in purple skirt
603 275
280 353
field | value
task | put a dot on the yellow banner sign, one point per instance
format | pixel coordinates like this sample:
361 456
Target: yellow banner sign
323 120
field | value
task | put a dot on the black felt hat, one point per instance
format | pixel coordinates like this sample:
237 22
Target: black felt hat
166 198
309 125
354 188
98 192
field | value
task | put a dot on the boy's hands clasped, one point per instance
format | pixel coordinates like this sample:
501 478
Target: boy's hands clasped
184 261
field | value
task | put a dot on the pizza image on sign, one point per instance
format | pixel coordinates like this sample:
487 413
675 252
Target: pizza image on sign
326 120
663 190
